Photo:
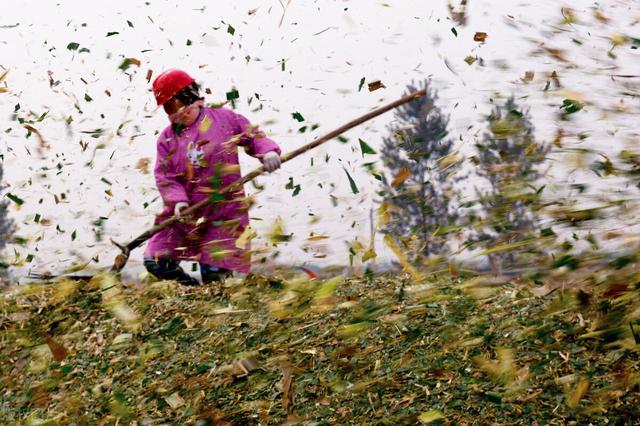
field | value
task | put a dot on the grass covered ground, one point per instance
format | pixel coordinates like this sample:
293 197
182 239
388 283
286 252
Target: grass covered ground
269 350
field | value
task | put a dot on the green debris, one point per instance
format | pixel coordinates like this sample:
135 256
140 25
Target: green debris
352 183
19 201
365 148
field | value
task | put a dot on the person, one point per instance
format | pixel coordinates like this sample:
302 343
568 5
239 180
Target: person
197 154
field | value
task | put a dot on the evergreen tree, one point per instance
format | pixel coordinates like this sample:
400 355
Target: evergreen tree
418 198
6 226
508 158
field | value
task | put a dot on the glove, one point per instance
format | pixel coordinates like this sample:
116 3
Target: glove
271 161
179 207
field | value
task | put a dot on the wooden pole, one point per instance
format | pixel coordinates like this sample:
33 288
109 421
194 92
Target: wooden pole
122 258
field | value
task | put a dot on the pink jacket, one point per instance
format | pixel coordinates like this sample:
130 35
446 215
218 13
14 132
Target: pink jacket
188 167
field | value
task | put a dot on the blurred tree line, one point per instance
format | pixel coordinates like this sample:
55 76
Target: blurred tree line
419 192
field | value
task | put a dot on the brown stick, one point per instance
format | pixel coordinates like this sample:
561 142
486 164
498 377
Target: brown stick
121 259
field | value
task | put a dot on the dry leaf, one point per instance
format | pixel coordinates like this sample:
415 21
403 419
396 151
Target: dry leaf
59 352
402 176
458 13
287 387
531 149
143 165
174 400
599 16
375 85
42 142
578 392
528 76
480 36
4 75
240 368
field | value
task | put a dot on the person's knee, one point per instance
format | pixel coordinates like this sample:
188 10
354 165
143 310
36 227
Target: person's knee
168 269
159 267
212 273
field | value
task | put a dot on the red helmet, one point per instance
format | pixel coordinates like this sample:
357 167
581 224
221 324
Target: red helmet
169 83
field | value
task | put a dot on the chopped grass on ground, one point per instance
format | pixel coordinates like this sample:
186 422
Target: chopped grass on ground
374 350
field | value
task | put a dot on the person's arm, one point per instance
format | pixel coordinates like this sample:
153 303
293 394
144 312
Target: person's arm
167 178
255 142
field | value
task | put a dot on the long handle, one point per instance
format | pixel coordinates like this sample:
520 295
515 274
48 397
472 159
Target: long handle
121 260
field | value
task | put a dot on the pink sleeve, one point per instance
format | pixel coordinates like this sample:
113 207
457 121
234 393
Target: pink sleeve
167 178
253 139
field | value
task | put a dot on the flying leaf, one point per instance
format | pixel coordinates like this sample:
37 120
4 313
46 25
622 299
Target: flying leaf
73 46
361 84
573 400
328 289
4 75
297 116
443 230
505 247
114 302
402 258
571 106
365 148
19 201
528 76
618 39
243 240
233 94
277 234
205 125
375 85
127 62
531 149
295 187
430 416
384 215
480 36
449 160
402 176
352 183
369 254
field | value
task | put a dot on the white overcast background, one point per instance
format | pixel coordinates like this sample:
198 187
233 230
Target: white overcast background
327 47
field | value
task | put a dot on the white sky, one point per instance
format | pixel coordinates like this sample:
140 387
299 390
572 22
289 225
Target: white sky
328 46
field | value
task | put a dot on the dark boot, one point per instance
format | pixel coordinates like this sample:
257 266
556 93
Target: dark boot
169 269
212 273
